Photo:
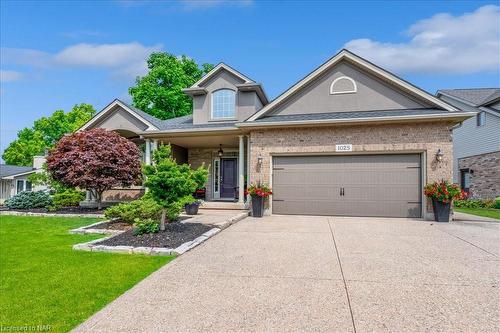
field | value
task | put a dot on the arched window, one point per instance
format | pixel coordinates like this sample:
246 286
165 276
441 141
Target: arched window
223 104
343 85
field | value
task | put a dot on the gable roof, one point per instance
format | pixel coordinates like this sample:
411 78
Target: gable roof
479 98
13 170
474 96
221 66
147 119
361 63
493 98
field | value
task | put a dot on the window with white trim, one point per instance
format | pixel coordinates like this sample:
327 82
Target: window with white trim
223 104
23 185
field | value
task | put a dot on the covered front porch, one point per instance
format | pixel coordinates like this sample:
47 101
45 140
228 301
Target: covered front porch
226 155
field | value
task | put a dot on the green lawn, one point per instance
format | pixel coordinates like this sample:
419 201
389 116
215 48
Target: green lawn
486 212
44 282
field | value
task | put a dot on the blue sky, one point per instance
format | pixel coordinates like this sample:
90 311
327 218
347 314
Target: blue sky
55 54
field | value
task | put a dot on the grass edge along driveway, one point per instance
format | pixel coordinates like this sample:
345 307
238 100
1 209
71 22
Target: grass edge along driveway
43 281
484 212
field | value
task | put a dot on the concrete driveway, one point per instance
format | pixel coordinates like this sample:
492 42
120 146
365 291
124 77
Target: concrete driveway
293 273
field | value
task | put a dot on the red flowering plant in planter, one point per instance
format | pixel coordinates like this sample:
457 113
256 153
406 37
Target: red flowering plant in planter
259 192
442 194
259 189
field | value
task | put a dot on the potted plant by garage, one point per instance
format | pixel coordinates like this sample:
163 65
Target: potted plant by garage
191 205
442 194
258 192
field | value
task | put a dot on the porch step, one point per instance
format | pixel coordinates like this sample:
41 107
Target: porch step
223 205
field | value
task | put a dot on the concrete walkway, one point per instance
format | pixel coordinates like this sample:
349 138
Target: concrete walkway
291 274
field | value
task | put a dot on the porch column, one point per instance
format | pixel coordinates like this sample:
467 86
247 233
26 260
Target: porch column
147 159
248 163
241 176
155 144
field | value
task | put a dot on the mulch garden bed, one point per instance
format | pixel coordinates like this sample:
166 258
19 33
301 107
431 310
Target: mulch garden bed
62 211
113 225
175 235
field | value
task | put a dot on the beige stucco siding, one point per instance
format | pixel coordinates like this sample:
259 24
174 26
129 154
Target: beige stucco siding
121 120
247 102
397 138
372 94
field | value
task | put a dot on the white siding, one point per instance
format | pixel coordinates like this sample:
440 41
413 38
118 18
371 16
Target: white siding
470 139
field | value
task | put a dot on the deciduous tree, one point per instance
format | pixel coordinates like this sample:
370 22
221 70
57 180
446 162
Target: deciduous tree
96 160
159 92
44 133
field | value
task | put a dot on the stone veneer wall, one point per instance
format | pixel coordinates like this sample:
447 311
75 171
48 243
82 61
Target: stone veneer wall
485 179
196 158
428 137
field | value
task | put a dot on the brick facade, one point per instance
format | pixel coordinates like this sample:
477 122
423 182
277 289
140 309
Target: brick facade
422 137
485 175
202 156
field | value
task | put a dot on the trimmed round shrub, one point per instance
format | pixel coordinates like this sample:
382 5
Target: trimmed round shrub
29 200
68 198
143 209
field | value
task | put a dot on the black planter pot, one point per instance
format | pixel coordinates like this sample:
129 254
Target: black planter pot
192 209
257 206
441 210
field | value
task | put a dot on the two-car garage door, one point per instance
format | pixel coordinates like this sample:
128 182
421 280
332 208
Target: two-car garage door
348 185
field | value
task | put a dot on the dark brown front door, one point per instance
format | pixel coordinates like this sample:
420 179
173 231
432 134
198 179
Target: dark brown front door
228 177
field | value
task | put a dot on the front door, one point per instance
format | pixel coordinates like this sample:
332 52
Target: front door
228 177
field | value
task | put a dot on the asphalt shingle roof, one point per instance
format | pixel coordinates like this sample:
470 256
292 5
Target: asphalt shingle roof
477 96
351 115
9 170
183 122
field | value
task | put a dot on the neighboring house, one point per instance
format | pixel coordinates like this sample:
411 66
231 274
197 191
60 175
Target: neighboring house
14 179
348 139
476 142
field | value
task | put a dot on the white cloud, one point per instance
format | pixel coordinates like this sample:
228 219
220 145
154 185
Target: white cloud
441 44
9 76
128 59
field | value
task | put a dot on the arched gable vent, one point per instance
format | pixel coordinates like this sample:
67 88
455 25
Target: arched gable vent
343 85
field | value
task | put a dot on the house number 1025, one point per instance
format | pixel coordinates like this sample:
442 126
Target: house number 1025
343 148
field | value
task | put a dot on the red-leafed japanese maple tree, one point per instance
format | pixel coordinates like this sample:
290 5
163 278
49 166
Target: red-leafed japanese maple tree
96 160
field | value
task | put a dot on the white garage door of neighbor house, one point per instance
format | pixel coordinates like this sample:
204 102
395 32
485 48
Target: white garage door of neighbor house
347 185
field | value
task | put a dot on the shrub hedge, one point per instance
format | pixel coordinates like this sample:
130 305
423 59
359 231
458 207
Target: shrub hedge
478 203
142 209
68 198
29 200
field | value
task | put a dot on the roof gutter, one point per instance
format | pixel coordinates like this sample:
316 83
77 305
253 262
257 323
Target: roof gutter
188 131
454 116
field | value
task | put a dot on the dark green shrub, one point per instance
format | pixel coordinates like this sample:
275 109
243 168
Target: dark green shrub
148 226
497 203
29 200
477 203
143 209
68 198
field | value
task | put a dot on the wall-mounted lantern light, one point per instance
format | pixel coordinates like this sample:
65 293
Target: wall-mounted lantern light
220 152
439 155
259 160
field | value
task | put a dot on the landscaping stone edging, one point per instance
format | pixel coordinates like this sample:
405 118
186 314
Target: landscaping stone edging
158 251
89 230
17 213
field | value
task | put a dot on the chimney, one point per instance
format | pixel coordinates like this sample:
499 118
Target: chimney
38 161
